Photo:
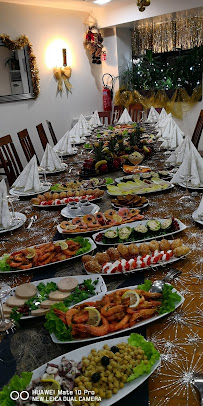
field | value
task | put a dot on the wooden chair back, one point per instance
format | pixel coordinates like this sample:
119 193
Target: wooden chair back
27 145
198 130
9 158
117 111
105 115
42 135
53 136
135 111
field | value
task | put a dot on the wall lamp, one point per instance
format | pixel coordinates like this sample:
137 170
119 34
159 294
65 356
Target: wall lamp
63 74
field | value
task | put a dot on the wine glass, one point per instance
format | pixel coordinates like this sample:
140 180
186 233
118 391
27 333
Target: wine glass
186 179
5 324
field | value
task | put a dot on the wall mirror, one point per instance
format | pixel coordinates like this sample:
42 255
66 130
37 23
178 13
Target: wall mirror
19 76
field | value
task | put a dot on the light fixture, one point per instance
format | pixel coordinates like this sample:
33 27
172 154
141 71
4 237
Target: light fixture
101 2
142 4
63 73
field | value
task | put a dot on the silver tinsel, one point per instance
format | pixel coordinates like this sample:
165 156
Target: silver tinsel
178 382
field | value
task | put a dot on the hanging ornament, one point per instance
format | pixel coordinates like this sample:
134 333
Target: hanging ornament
142 4
93 42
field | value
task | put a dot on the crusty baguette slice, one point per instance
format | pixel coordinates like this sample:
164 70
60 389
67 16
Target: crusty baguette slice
14 301
39 312
67 284
26 291
46 304
57 295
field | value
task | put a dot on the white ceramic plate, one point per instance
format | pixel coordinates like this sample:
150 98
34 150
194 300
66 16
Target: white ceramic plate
99 288
135 224
20 220
75 150
66 212
138 324
140 191
61 230
44 188
93 246
198 188
161 263
63 168
140 166
60 205
76 355
136 207
195 218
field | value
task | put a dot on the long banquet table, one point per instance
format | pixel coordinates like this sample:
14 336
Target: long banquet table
177 336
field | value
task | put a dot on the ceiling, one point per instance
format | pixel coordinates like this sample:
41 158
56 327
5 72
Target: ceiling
80 5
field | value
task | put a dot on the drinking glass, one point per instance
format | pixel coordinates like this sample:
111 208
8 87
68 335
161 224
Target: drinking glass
186 196
5 324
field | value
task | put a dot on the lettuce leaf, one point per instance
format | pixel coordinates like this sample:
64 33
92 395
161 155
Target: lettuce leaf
169 299
84 243
150 351
4 267
17 383
55 325
145 286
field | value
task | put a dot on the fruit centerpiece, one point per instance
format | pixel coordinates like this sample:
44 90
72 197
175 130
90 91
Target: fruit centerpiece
109 155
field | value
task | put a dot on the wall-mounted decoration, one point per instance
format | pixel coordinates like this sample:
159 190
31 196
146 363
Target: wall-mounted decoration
63 75
19 73
94 43
181 30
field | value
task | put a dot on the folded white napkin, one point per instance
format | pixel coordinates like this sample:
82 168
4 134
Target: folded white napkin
192 166
163 114
125 118
64 145
84 125
28 180
176 158
153 115
77 134
50 160
95 120
161 125
199 211
175 138
5 215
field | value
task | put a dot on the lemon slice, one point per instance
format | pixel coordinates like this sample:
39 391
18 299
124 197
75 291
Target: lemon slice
134 297
50 385
94 316
62 244
31 253
117 218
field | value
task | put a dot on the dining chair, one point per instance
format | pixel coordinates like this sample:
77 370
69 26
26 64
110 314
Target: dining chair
198 131
117 111
27 145
42 135
105 115
135 111
9 159
53 136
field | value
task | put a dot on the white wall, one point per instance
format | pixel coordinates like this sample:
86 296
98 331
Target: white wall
42 26
127 11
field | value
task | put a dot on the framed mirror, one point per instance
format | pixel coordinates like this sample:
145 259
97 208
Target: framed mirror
19 75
